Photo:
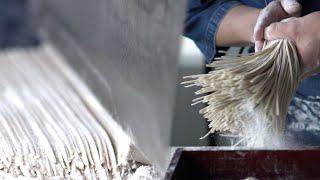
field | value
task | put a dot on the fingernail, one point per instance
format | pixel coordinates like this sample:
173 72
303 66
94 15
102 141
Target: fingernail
291 3
292 6
256 38
258 46
266 33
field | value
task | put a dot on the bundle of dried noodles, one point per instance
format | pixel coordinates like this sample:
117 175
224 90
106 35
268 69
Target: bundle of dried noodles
249 95
51 124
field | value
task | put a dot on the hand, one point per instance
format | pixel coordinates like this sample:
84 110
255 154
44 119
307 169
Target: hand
273 12
305 32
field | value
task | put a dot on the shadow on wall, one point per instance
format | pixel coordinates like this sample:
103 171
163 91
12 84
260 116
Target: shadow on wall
15 27
188 125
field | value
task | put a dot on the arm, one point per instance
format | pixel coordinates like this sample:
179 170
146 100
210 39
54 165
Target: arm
229 22
236 28
245 24
203 20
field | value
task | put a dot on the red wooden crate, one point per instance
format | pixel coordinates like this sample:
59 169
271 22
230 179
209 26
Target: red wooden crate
240 163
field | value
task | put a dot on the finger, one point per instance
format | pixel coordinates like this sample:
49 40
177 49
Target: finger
272 13
291 7
264 20
258 32
258 46
276 31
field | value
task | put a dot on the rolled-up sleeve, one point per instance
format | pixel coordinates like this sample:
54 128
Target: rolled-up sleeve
202 22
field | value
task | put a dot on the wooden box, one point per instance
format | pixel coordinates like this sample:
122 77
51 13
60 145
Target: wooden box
241 163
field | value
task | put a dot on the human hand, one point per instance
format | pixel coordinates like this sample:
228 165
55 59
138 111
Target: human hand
273 12
305 32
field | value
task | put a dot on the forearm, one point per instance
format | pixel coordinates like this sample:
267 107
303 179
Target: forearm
237 26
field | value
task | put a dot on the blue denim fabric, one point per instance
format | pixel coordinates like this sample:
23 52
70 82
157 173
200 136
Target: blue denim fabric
303 120
202 21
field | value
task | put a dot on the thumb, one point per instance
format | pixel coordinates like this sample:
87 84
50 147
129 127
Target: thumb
291 7
277 31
